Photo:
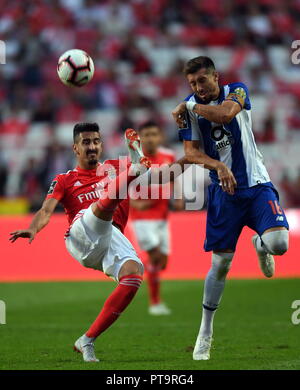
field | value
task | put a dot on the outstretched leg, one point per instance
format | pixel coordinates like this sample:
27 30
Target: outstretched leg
130 279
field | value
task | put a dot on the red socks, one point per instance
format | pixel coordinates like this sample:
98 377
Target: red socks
153 283
115 304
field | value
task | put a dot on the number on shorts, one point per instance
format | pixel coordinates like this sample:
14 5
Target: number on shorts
276 209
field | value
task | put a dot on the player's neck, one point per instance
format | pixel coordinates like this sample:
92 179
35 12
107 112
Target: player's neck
217 93
86 167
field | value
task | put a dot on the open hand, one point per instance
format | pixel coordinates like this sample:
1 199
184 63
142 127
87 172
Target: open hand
23 234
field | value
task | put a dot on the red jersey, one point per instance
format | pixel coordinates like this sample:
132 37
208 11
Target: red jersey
78 189
160 207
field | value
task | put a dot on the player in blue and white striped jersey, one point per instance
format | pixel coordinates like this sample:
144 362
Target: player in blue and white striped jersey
217 119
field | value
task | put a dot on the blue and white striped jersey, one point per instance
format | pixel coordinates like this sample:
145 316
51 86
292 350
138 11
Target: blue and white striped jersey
231 143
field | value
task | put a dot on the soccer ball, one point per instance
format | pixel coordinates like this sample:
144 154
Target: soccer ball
75 68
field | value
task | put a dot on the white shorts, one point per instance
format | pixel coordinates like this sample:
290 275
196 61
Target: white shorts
152 234
99 245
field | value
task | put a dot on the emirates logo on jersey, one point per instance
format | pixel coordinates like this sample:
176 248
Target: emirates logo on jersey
90 195
99 185
98 189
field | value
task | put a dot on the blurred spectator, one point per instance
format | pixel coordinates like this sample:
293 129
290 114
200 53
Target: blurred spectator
15 123
125 122
45 108
3 177
58 160
267 135
69 110
294 118
259 25
116 17
261 81
291 189
130 53
109 92
31 184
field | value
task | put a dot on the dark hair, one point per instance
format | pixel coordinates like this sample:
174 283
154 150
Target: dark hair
146 125
197 63
85 126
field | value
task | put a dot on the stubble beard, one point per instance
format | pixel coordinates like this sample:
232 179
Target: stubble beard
93 162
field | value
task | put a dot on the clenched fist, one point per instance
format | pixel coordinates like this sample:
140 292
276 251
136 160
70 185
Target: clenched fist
179 114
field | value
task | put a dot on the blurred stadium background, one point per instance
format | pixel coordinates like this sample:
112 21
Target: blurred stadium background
139 48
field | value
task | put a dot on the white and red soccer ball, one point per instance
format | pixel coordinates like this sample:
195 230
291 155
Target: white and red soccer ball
75 68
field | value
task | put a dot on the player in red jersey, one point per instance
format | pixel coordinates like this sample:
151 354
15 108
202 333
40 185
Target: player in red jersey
95 199
91 196
149 217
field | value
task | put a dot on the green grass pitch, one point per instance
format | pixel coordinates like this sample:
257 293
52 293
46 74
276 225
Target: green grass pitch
253 328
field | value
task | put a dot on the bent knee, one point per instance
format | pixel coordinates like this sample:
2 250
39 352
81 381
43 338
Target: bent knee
131 267
276 242
221 263
279 248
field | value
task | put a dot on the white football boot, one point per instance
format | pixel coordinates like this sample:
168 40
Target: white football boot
266 260
159 309
140 163
202 348
86 349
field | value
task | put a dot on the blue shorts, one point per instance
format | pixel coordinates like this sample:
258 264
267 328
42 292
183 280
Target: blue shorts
256 207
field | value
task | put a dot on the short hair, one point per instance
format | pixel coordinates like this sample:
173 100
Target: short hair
84 126
197 63
146 125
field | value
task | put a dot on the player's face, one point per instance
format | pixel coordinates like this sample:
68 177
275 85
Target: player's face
204 84
88 149
151 139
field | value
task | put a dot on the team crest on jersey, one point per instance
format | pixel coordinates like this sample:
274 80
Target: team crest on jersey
52 186
112 174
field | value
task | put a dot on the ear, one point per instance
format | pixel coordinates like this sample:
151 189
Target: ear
75 150
216 76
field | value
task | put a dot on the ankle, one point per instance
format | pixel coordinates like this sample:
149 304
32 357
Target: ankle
86 339
259 245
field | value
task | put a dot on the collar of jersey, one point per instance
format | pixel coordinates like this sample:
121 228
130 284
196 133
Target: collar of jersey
87 172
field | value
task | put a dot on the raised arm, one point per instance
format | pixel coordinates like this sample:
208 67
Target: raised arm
39 221
222 114
193 155
196 156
